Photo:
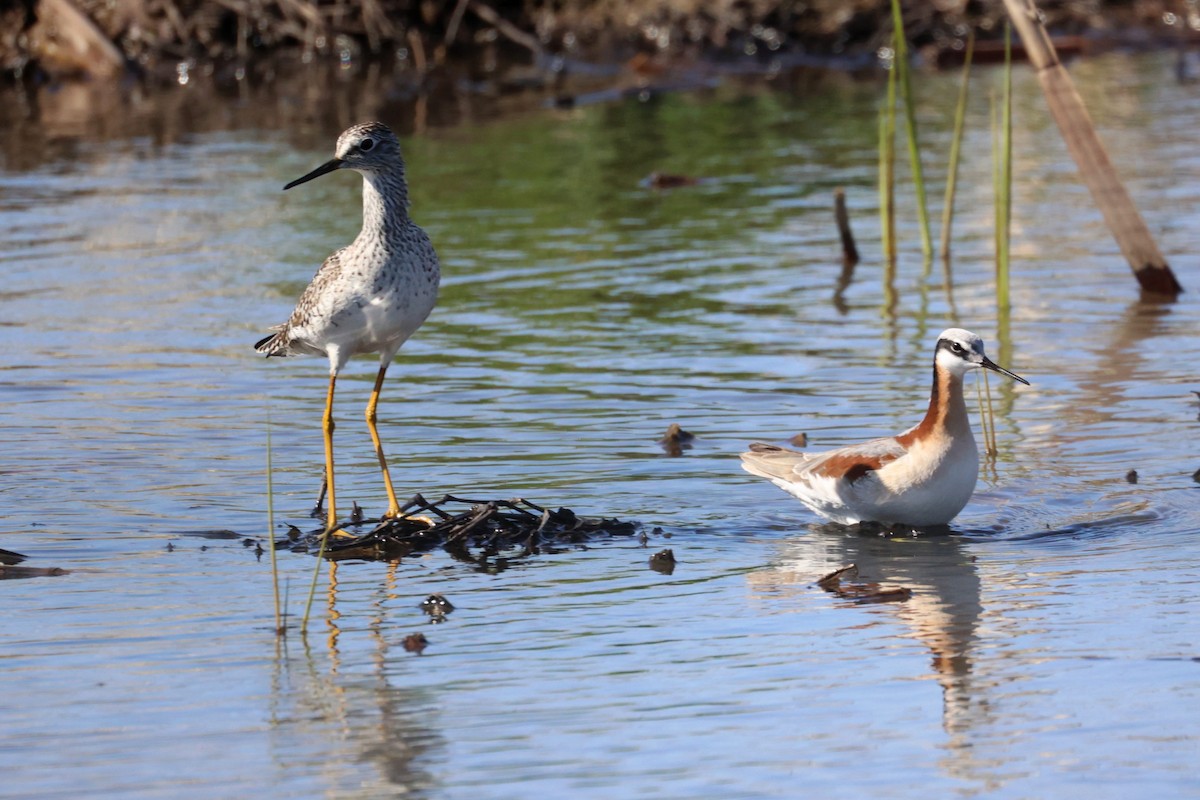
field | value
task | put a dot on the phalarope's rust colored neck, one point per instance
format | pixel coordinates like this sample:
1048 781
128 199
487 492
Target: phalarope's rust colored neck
922 477
369 296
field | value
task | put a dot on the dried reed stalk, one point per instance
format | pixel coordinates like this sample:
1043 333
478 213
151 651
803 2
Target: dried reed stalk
1123 219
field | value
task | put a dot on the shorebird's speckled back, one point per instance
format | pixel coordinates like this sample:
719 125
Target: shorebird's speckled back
371 295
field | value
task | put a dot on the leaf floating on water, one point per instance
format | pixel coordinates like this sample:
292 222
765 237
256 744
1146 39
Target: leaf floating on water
831 581
663 180
844 583
437 607
676 440
799 440
8 572
211 534
663 562
8 557
415 642
871 593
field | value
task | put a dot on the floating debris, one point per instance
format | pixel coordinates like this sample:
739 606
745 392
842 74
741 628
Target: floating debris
1196 476
842 218
832 580
8 572
415 642
437 607
663 180
1131 476
845 583
799 440
487 533
663 561
211 534
676 440
8 557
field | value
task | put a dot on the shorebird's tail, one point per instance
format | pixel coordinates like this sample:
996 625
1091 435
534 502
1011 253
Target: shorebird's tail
277 344
771 461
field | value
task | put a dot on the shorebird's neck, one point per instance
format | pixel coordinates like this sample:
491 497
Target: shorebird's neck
947 413
385 201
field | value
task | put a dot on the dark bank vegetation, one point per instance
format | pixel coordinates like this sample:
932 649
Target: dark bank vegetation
107 38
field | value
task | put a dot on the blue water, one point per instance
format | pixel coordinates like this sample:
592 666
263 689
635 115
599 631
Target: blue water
1049 648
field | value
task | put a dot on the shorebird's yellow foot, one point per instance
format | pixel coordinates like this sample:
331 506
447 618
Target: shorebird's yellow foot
340 533
391 515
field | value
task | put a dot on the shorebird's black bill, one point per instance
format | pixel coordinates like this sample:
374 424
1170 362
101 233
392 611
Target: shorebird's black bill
324 169
994 367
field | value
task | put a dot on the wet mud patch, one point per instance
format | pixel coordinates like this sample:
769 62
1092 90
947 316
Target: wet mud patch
486 533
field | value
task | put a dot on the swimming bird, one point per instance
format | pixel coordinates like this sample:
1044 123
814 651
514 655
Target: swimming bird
371 295
922 477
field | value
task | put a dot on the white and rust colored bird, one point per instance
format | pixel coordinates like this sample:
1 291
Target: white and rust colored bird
922 477
369 296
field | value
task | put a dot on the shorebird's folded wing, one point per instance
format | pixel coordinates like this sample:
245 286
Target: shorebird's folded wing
851 463
773 462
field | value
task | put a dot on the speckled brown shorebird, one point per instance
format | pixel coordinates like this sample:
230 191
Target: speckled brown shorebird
369 296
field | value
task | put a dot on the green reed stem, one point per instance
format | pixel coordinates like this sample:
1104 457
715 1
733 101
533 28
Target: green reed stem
960 116
280 629
1003 174
312 586
885 231
992 445
900 66
997 220
887 171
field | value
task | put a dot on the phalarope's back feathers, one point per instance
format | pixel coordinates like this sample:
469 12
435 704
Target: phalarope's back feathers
921 477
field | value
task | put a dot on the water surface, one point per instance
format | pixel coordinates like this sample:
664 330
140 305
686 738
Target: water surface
1049 648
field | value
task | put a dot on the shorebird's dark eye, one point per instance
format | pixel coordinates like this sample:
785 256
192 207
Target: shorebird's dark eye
366 144
957 348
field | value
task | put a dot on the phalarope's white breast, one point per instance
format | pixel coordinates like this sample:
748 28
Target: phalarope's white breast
921 477
369 296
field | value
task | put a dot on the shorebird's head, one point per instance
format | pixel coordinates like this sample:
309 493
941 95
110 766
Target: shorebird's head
959 351
366 148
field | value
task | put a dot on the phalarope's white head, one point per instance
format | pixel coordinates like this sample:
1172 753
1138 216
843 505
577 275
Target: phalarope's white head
922 477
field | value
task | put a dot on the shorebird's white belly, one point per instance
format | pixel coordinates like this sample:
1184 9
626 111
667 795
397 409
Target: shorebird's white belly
927 486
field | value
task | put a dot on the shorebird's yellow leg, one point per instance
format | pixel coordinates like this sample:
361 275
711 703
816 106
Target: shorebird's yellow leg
327 427
393 506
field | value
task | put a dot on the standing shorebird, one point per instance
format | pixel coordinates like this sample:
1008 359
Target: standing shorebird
921 477
369 296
